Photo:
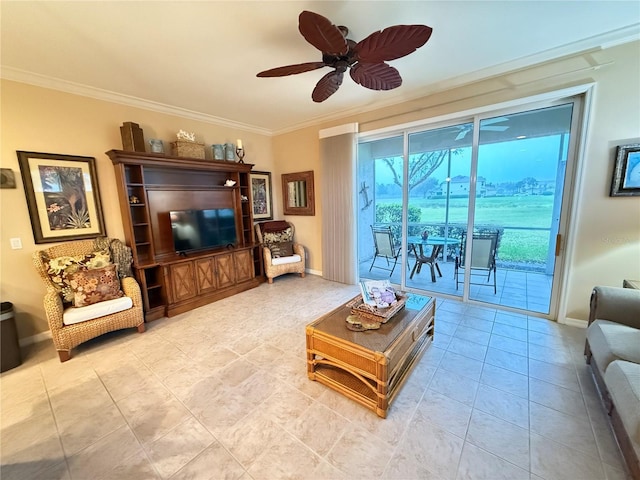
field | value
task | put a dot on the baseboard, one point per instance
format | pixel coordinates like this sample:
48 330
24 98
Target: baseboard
574 322
38 337
313 272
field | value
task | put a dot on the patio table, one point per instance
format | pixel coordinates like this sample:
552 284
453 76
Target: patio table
416 245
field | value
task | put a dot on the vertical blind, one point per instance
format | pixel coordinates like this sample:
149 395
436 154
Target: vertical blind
338 159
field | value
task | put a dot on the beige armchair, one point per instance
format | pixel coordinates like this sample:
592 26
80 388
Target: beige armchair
72 325
280 252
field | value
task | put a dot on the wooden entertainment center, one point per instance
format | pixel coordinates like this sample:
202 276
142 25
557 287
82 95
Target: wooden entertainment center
151 185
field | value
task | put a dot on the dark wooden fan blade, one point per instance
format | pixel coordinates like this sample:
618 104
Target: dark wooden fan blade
327 86
322 34
291 69
391 43
376 76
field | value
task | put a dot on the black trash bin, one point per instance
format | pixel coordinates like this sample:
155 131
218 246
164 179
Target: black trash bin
9 347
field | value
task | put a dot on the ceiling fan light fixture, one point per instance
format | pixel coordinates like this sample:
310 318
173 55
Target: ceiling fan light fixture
365 60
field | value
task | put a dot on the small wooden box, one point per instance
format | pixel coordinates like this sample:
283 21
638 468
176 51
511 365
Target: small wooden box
132 137
185 148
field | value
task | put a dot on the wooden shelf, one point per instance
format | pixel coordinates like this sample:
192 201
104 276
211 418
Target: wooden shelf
164 183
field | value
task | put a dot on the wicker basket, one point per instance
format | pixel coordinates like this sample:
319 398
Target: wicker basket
382 315
185 148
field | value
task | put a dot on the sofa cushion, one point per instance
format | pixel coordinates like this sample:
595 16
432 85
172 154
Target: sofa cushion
96 285
74 315
611 341
622 379
284 260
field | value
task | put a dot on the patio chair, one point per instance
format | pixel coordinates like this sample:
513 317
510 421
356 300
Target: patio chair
386 248
483 259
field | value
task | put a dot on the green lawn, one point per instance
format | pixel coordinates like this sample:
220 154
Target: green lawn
526 212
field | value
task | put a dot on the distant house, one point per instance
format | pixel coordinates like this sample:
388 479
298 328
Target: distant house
545 187
459 187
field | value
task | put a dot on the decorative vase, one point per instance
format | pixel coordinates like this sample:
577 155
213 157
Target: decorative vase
218 151
156 146
230 152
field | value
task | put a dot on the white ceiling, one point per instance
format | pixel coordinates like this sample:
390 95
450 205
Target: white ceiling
200 59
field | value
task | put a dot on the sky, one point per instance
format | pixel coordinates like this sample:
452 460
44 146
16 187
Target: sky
501 162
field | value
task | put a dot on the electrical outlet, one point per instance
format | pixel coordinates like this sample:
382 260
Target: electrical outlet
16 243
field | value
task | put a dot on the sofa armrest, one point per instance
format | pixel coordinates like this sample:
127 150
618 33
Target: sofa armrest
131 289
53 309
266 253
299 249
616 304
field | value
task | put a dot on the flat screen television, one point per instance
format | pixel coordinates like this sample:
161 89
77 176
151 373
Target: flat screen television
202 229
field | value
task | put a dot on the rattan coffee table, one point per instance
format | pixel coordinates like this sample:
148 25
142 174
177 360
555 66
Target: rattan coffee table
369 367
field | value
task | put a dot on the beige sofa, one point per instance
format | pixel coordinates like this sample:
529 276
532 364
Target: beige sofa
613 351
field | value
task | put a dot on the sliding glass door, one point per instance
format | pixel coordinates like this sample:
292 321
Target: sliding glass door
438 204
476 208
521 167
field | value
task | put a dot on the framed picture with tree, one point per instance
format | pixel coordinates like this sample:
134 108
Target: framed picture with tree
261 196
63 196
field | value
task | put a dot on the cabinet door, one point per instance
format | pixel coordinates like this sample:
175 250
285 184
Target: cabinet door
183 285
244 265
225 270
206 274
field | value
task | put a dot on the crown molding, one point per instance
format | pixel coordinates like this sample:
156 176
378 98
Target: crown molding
22 76
604 41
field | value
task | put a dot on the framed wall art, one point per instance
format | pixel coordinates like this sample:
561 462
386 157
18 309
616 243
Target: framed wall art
626 171
62 195
298 193
7 178
261 195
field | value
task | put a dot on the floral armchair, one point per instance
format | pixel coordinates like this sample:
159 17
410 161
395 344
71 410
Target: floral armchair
280 252
90 291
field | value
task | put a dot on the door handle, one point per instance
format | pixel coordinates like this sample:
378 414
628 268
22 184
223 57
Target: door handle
558 243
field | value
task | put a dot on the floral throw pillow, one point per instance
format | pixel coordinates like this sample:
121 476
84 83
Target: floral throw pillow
285 235
61 268
93 286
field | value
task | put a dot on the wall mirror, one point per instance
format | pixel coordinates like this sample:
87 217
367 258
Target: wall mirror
298 193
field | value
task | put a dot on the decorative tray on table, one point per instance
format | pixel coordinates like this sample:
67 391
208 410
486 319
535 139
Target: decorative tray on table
369 317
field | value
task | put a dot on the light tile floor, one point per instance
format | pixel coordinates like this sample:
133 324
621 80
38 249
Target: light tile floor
515 288
221 392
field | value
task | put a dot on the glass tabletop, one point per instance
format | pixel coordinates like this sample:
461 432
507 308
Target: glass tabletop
416 239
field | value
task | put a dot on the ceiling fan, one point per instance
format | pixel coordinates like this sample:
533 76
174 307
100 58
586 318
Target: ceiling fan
365 60
486 125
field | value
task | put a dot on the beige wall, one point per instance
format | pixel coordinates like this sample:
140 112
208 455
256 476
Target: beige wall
42 120
298 153
607 230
